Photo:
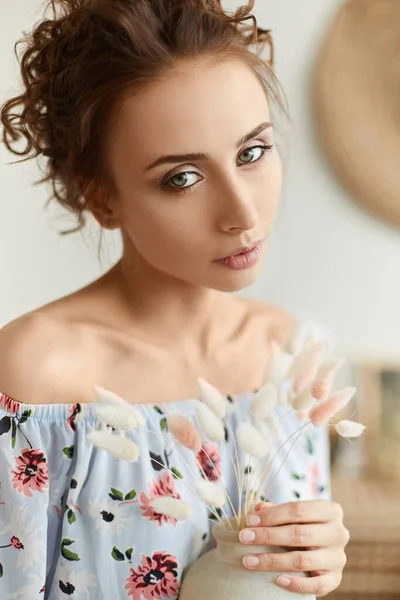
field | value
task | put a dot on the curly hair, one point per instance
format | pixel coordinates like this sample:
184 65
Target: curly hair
78 63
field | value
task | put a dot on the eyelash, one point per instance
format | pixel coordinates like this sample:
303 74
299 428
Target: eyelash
264 147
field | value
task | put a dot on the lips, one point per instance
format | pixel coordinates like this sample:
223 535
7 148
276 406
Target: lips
242 250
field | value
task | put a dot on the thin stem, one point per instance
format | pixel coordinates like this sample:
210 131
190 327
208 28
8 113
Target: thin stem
203 473
222 483
193 492
236 467
287 454
265 473
20 430
8 546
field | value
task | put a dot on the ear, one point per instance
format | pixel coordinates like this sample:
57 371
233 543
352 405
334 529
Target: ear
98 202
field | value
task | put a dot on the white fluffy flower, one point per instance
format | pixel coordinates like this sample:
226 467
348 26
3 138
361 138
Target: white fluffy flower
349 429
213 398
211 493
109 515
209 422
113 400
264 401
306 333
279 365
115 444
251 440
304 401
119 419
172 507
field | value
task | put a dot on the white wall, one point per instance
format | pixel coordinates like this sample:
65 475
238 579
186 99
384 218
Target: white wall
328 259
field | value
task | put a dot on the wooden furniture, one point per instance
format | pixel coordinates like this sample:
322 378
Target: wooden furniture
372 515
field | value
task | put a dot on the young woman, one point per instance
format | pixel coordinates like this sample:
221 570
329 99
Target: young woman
155 116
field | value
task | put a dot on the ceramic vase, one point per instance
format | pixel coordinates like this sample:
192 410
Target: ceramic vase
219 574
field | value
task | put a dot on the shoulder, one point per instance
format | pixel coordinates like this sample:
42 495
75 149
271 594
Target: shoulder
277 323
39 361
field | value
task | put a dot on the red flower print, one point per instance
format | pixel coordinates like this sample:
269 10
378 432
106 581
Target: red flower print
155 578
31 472
209 460
73 413
10 405
15 543
163 486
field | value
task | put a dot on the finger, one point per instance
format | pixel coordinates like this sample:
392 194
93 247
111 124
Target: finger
308 511
325 559
319 586
295 536
262 505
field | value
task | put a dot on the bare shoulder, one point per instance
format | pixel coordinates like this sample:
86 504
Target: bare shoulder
277 322
39 360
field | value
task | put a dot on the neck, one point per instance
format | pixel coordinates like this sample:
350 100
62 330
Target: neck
165 307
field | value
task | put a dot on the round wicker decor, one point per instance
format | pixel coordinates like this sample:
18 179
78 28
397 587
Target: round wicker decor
357 102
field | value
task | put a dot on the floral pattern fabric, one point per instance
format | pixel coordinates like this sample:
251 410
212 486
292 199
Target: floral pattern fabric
78 523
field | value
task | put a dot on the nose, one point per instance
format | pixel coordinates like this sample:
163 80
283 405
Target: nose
239 211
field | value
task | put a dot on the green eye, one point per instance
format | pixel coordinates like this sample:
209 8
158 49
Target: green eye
252 154
179 180
182 181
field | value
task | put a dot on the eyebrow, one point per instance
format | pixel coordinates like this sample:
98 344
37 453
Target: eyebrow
196 156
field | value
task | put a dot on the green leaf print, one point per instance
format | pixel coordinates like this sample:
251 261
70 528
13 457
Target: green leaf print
117 554
25 416
298 496
310 445
130 495
116 494
163 424
298 477
71 516
13 434
66 553
128 553
69 451
177 474
1 570
5 425
158 409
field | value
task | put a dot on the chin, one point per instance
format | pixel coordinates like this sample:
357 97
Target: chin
235 281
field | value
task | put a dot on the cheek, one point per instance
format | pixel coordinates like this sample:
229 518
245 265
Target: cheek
269 187
164 230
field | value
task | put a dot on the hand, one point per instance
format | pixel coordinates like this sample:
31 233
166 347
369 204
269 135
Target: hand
314 535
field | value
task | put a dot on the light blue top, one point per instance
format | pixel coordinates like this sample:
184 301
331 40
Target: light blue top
76 522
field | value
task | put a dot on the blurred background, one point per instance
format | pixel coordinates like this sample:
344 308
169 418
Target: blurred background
334 255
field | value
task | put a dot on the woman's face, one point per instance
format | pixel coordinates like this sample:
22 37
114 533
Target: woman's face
197 175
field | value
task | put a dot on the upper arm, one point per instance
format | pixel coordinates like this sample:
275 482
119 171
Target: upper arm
34 360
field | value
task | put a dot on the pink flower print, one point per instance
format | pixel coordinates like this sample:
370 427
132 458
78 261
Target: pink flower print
15 543
155 578
8 404
73 413
31 472
163 486
313 478
209 459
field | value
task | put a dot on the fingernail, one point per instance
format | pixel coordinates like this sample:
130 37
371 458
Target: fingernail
246 535
285 581
253 520
251 561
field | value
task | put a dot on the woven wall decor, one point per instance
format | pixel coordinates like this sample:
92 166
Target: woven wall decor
357 102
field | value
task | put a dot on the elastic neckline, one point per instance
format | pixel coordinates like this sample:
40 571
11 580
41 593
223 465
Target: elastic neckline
59 412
